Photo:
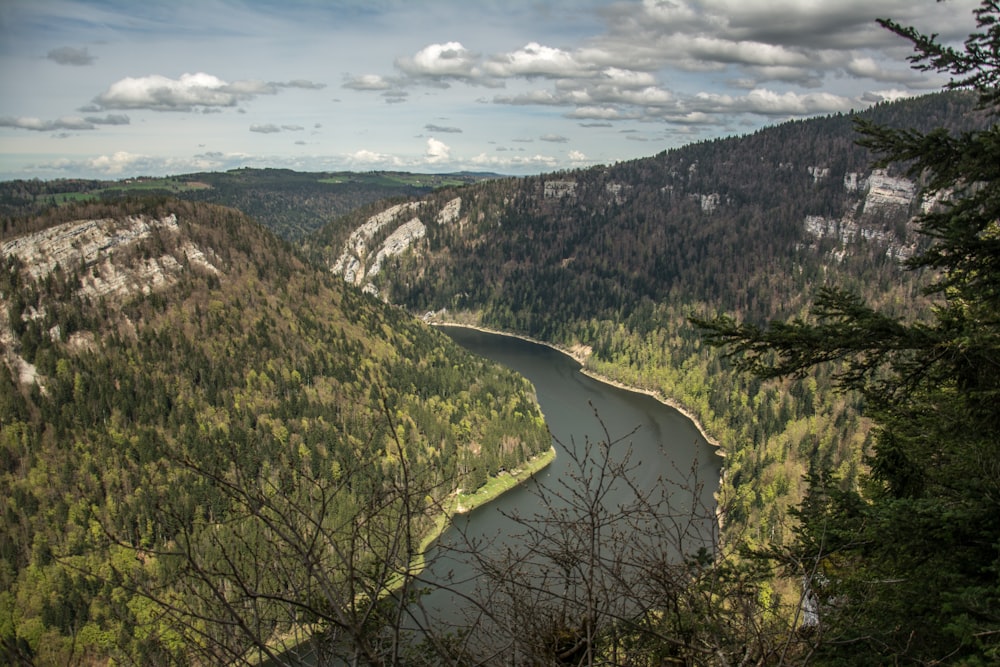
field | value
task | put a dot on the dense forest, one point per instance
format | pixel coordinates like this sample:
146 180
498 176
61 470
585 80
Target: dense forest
163 394
619 258
204 398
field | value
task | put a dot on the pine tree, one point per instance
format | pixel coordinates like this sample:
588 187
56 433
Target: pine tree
907 568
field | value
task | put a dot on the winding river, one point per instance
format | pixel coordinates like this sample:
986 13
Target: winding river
664 445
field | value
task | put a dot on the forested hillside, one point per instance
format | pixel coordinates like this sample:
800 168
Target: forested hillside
214 440
197 424
618 258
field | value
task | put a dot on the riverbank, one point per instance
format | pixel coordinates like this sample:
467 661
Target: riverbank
456 503
580 354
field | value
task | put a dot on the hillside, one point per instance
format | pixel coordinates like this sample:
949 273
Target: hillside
618 258
174 368
178 385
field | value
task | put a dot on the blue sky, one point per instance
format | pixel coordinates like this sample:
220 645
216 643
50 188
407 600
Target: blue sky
117 88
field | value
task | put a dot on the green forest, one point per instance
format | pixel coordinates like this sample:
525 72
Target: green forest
172 421
821 295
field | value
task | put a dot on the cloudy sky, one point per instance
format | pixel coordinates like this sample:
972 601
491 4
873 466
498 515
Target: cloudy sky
118 88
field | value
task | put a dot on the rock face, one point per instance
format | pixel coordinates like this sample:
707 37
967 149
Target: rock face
94 243
883 201
559 189
104 253
359 263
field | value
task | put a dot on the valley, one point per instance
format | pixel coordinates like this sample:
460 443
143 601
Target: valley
203 380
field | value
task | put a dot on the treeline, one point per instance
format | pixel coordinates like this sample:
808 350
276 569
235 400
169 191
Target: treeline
147 410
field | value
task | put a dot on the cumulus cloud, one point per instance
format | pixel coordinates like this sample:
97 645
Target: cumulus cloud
370 158
554 138
117 162
535 59
437 151
616 75
514 161
891 95
267 128
68 55
109 119
188 92
450 60
595 113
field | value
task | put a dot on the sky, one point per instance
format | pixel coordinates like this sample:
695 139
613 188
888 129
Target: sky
118 88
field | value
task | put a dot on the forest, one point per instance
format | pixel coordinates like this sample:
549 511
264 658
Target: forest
174 420
821 295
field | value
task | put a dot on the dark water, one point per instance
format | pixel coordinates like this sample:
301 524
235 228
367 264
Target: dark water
663 445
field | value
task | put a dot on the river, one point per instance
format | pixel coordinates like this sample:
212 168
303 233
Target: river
665 447
666 450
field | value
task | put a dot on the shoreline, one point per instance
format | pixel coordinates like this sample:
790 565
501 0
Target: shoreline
580 354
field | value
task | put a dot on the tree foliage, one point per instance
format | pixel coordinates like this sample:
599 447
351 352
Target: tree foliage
202 464
906 567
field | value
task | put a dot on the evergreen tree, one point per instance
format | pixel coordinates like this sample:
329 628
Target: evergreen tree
907 568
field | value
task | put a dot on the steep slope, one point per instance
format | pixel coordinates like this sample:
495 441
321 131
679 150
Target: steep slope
172 373
616 259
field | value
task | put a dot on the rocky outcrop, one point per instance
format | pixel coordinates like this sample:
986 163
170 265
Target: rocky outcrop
358 264
450 212
97 245
883 201
559 189
103 254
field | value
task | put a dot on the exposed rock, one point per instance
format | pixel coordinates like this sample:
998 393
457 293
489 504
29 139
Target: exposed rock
355 249
83 242
819 173
883 195
708 202
449 212
617 191
357 265
853 181
99 248
888 191
559 189
397 243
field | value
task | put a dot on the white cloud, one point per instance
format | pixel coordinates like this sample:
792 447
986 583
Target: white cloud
188 92
595 113
450 60
371 158
437 151
116 163
535 59
770 103
514 162
891 95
